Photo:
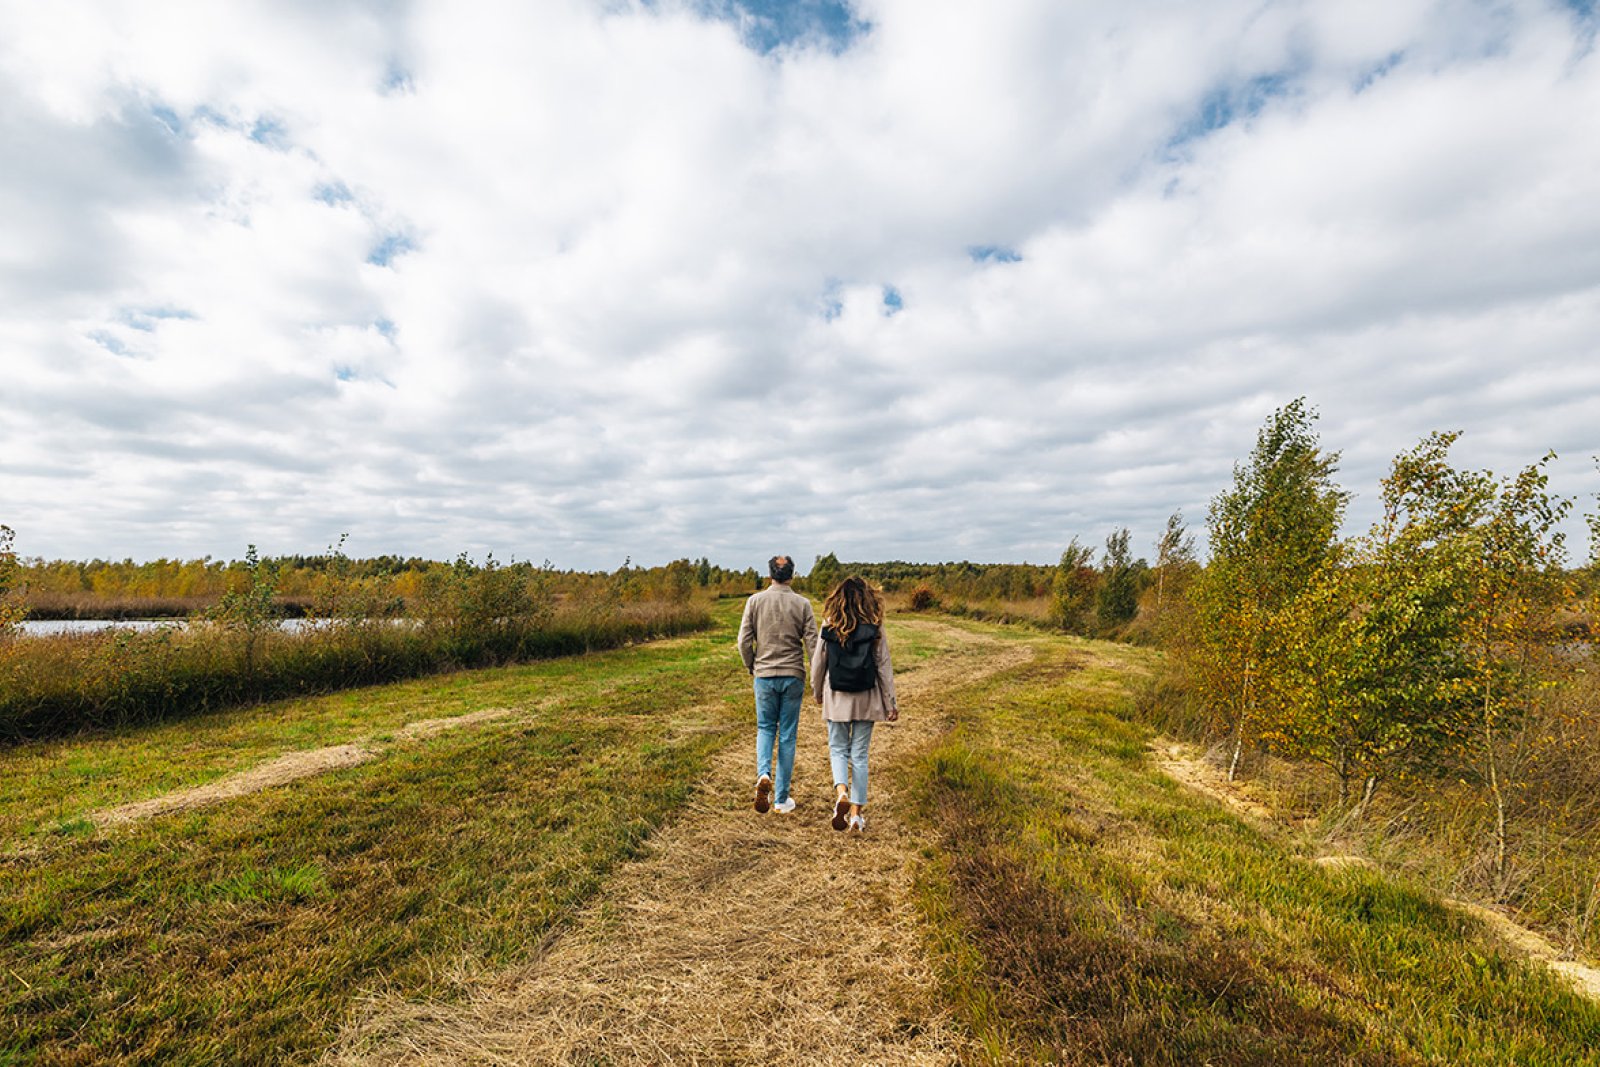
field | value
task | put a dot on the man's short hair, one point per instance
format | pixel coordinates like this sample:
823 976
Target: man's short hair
781 568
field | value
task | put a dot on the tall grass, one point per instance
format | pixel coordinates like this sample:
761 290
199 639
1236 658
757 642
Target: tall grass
61 684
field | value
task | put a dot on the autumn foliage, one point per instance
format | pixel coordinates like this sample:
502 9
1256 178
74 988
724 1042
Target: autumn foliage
1445 645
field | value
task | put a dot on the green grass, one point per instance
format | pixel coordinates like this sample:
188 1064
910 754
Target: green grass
1087 909
53 782
248 932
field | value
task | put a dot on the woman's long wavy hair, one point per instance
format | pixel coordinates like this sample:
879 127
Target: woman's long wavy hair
851 603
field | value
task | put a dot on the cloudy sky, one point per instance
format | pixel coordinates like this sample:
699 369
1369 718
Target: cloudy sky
915 279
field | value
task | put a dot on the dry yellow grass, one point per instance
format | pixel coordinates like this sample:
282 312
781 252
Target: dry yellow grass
740 938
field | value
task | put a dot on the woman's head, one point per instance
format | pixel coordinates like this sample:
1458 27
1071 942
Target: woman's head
851 603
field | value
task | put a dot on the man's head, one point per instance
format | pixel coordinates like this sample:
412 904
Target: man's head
781 568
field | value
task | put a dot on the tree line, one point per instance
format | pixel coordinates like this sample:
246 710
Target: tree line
387 585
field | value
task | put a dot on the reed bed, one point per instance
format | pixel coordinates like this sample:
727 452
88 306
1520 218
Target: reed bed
63 684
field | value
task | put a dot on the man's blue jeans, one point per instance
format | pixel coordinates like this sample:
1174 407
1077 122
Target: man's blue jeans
777 719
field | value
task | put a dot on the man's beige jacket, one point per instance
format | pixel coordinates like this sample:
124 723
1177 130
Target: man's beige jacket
778 633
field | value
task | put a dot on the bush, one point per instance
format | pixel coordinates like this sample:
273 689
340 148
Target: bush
922 598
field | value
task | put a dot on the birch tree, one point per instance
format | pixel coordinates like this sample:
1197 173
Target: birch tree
1269 533
1372 677
12 608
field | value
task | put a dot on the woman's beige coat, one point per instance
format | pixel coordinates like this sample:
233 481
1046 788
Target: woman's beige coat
873 705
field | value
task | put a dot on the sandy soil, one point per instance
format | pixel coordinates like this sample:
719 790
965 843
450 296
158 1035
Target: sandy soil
287 768
741 938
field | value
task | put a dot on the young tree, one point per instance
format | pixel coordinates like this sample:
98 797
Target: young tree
1517 587
1174 558
12 609
1073 587
1117 600
680 580
1269 534
825 574
249 611
1371 677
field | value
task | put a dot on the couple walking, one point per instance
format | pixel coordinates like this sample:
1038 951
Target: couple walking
851 678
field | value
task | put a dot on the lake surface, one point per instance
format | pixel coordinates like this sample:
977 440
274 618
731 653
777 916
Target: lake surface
51 627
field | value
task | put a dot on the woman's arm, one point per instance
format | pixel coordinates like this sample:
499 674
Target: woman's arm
819 669
886 677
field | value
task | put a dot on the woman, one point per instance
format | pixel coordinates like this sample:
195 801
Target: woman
853 680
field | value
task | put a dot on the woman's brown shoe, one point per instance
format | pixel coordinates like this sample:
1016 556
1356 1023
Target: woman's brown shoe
764 794
841 812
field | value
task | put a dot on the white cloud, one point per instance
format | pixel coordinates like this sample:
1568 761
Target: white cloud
582 281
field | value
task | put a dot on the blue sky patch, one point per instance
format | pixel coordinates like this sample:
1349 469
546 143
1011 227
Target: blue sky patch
1378 70
768 25
993 254
168 118
892 301
832 302
269 132
111 343
146 319
333 193
1224 105
397 80
384 252
386 327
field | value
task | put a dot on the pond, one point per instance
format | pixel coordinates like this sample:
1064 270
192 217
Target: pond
53 627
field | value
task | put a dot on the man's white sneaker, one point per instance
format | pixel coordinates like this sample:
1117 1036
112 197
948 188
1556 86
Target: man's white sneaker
858 823
784 807
763 794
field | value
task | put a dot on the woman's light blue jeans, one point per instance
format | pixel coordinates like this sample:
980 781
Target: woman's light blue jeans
847 750
777 720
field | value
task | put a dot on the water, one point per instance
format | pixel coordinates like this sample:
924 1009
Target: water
52 627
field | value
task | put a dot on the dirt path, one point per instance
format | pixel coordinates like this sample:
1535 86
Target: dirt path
289 767
741 938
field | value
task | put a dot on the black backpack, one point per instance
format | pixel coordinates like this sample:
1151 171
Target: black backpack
852 668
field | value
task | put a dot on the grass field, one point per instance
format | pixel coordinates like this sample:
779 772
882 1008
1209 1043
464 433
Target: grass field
1078 906
1091 910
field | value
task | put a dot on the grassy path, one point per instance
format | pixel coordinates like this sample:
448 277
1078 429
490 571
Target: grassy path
740 938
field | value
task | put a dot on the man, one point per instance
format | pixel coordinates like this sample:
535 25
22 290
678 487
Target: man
776 638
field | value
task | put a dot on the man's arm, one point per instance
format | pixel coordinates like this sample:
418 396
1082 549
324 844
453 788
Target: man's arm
747 639
808 636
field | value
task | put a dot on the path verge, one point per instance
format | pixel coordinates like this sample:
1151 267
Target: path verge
1186 766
